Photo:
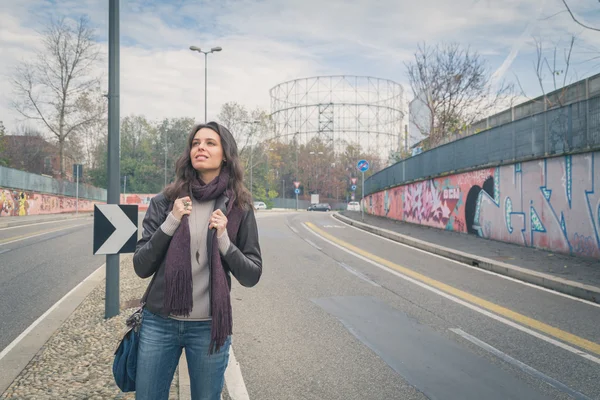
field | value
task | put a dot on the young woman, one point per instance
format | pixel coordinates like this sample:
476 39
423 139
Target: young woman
197 231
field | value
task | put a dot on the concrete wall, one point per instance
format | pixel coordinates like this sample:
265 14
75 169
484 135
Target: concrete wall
551 203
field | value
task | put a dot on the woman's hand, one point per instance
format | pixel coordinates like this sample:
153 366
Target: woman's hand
218 221
181 207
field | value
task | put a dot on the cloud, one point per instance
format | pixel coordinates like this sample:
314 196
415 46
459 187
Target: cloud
269 42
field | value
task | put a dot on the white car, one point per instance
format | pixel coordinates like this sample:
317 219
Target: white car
259 205
353 206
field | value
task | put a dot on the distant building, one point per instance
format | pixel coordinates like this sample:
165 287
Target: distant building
33 153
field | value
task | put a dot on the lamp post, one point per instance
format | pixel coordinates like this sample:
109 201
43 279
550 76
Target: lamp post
214 49
312 153
267 183
255 122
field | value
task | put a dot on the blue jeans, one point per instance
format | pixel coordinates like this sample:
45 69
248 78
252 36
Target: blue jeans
161 342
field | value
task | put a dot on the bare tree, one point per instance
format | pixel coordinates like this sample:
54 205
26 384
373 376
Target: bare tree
456 88
47 89
577 20
248 128
93 107
3 155
559 70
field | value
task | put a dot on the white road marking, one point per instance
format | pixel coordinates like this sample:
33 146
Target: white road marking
485 271
40 234
464 303
44 223
312 244
35 323
294 229
522 366
358 274
234 379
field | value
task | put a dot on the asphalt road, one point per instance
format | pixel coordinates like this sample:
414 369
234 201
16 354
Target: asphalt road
39 264
342 314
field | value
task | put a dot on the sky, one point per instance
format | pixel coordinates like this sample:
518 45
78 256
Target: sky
267 42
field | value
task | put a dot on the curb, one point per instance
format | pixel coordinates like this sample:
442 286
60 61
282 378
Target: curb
575 289
53 219
17 355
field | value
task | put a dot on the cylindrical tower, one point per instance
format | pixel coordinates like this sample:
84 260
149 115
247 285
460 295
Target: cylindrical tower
341 110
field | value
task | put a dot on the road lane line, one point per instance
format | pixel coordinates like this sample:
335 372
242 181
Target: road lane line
24 237
485 271
468 300
358 274
35 323
522 366
312 244
236 388
48 222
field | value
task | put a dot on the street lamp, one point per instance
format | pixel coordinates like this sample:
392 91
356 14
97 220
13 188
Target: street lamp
312 153
255 122
267 183
214 49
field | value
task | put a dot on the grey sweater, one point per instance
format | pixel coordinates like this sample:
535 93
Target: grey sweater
198 221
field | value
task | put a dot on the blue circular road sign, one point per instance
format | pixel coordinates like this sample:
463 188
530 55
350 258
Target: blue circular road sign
353 187
363 165
297 191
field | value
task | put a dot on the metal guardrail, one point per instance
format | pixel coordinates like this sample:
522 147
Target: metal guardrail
20 180
573 128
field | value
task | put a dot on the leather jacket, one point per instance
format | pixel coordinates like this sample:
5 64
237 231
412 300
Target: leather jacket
243 259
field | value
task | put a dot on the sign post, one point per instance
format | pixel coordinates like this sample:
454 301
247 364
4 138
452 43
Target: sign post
77 172
297 191
363 166
111 302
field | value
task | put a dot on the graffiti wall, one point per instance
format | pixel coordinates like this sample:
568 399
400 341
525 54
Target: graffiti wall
20 203
551 203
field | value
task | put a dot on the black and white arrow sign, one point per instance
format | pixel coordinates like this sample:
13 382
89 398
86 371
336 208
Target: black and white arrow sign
115 228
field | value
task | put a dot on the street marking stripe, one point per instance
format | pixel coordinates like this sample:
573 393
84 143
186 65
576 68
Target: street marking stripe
24 237
35 323
312 244
236 388
358 274
522 366
468 299
485 271
75 219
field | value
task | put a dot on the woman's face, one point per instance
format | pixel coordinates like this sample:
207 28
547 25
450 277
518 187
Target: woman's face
207 152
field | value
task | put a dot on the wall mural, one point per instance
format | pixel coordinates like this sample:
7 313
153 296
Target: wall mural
551 203
16 203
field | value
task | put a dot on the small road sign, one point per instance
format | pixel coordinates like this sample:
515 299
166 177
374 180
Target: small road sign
363 165
297 191
353 188
354 180
115 228
296 184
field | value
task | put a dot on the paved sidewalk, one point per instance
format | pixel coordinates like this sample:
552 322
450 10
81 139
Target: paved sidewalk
579 277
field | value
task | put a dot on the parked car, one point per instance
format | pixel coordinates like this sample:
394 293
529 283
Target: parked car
353 206
319 207
259 205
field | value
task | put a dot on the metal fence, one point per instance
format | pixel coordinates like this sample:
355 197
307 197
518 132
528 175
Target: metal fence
569 129
21 180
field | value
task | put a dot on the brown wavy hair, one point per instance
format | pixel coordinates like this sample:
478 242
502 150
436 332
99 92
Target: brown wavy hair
185 172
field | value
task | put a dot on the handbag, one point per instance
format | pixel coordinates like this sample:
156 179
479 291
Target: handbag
125 361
